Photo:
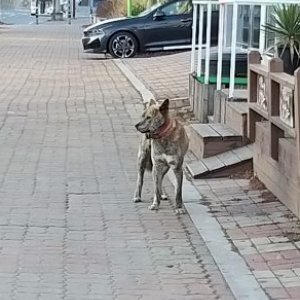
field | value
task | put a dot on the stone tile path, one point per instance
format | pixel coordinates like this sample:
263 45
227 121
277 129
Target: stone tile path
68 227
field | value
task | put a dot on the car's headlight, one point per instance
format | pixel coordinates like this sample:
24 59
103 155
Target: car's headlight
94 31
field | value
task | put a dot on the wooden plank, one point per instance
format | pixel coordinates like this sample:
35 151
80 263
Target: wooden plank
255 107
250 147
240 107
226 132
213 163
229 158
197 168
206 132
239 94
259 69
223 130
284 79
244 153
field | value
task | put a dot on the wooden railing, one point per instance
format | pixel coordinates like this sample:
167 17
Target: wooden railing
274 97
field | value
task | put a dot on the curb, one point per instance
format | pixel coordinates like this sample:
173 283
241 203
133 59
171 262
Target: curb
138 85
234 269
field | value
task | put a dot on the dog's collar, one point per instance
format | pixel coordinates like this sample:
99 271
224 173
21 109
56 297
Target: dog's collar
163 131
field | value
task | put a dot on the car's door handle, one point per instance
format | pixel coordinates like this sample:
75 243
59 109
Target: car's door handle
185 20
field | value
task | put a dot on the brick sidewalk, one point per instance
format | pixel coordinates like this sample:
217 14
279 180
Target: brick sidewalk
166 76
262 230
68 227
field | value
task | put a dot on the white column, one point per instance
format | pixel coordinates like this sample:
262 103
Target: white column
208 36
195 15
200 39
262 35
220 45
233 49
225 24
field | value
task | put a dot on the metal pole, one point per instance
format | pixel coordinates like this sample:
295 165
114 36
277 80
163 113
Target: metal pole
37 12
69 11
129 7
262 34
195 15
200 40
220 47
0 10
91 10
208 37
74 9
233 49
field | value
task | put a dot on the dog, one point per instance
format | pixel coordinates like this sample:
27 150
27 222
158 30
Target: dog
163 146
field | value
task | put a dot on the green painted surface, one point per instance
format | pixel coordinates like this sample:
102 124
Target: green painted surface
225 80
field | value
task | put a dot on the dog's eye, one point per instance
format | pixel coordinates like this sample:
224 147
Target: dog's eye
148 117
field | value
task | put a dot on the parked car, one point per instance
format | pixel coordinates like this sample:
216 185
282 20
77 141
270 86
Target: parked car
164 26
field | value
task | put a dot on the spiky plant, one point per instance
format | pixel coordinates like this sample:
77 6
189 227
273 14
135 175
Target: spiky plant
285 24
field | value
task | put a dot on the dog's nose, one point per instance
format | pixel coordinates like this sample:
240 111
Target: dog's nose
137 125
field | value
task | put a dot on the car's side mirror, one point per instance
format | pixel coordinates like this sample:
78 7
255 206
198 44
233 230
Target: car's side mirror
158 15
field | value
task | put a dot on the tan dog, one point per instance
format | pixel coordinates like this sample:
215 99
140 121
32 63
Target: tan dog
164 144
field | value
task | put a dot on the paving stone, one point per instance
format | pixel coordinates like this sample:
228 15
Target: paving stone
68 227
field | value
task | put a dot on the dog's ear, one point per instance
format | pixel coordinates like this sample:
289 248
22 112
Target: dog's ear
164 107
148 103
151 102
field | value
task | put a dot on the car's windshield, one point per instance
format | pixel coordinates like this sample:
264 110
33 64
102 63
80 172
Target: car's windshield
152 8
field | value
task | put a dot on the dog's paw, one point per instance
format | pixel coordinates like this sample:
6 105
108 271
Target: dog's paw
180 211
137 199
164 197
153 206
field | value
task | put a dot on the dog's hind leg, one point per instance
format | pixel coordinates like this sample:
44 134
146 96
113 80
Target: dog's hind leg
158 173
139 185
178 190
142 162
164 171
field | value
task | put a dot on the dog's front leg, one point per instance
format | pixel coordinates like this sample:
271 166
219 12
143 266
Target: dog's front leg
156 198
178 190
139 183
158 173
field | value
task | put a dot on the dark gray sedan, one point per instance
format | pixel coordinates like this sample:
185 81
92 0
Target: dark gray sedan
164 26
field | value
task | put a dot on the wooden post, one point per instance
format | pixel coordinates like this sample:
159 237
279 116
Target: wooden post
297 112
254 57
273 92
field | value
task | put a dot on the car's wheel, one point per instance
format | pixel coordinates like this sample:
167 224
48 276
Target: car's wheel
123 45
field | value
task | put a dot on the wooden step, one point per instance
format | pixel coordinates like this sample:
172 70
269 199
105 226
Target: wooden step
211 139
222 164
236 116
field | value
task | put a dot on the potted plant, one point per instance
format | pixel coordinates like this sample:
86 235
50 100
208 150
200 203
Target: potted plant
285 25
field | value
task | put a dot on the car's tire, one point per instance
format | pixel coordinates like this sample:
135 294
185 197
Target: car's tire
123 45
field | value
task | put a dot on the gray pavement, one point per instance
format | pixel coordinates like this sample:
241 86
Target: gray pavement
68 227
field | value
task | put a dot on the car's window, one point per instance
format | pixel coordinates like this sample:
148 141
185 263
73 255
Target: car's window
177 8
147 11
